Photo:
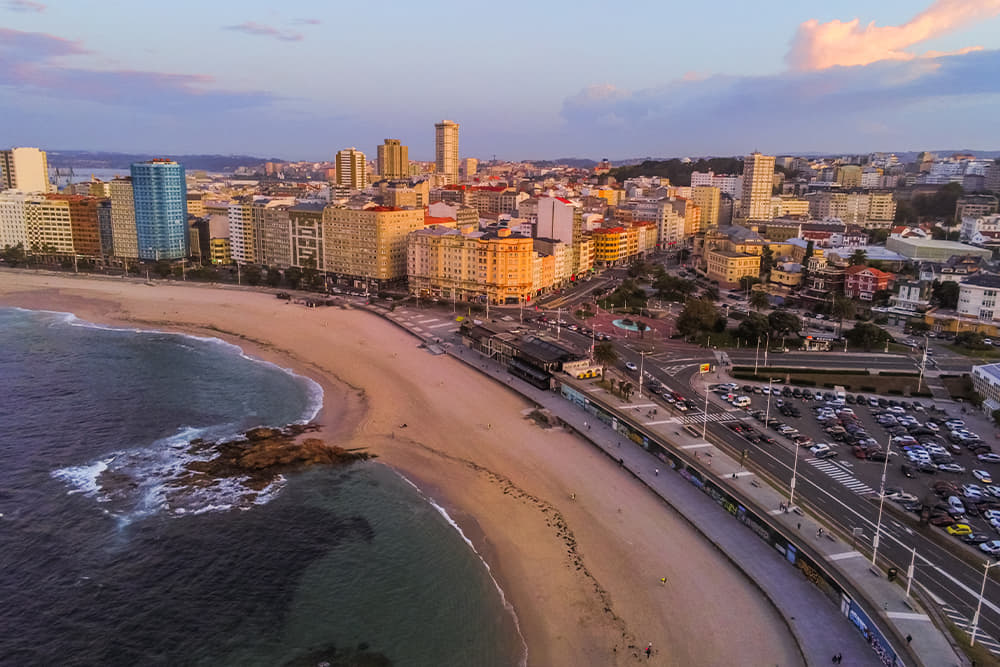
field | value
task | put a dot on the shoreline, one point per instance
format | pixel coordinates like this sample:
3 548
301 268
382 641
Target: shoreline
577 574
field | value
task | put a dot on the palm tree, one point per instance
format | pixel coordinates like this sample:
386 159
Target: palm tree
842 308
859 258
759 299
605 355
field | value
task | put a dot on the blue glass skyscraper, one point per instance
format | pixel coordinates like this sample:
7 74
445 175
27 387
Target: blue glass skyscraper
160 194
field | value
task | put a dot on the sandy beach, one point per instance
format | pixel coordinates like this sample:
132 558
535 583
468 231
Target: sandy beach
583 575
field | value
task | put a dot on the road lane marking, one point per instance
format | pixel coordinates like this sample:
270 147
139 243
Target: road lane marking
844 554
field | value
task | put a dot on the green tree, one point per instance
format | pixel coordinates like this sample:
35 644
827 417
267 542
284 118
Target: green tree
251 274
14 255
766 260
867 335
972 340
753 328
673 288
859 258
162 268
945 294
881 297
711 293
996 417
843 308
918 326
878 236
273 278
759 299
746 282
605 354
783 323
699 315
293 276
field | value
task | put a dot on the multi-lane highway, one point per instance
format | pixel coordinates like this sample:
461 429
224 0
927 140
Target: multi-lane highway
948 577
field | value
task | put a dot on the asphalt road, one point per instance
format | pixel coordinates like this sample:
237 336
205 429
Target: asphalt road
850 360
939 569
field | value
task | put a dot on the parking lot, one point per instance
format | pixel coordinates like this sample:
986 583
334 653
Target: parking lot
939 470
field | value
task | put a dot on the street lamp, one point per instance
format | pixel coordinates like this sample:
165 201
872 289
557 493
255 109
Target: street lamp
791 485
979 605
881 502
767 413
642 360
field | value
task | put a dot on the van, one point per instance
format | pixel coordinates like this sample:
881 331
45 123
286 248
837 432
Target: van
741 401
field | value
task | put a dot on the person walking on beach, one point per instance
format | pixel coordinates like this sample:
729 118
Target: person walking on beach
649 649
656 472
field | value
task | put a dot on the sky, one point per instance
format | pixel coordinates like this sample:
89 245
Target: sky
301 79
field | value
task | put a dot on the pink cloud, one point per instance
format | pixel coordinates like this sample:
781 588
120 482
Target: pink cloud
259 29
25 6
818 45
31 62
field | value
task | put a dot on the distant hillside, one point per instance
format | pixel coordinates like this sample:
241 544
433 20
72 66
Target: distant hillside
677 171
108 160
575 162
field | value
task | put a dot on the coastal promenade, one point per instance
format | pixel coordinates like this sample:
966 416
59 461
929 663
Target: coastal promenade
821 629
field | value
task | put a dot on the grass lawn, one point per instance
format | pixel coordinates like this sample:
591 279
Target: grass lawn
856 384
982 355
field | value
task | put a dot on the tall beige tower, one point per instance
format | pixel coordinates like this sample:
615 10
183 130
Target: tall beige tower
393 160
707 199
446 149
351 169
758 176
24 169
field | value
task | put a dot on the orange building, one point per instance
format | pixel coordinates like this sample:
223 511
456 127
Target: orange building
83 223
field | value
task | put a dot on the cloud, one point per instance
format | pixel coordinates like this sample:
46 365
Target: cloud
30 62
251 28
25 6
308 21
821 45
790 109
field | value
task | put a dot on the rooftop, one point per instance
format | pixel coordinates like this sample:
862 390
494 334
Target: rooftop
992 371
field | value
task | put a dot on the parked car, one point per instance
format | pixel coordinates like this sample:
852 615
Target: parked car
960 529
989 458
951 467
976 538
982 476
992 547
630 366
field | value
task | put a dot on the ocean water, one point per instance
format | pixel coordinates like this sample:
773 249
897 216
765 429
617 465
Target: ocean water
107 559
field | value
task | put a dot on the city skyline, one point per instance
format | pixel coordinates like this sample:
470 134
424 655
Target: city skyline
792 79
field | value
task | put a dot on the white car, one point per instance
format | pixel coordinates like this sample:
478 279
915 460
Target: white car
821 447
982 476
991 515
989 458
992 547
630 366
993 490
952 467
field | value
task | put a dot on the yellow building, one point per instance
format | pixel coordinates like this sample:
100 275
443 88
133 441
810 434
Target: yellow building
123 233
368 246
495 266
707 199
785 206
48 226
196 204
727 266
849 176
782 275
219 251
393 160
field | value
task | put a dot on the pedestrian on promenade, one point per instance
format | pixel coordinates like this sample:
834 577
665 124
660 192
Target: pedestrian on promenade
909 638
663 580
656 471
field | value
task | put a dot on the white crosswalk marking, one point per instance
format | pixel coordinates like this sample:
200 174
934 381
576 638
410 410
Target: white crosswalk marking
838 473
675 369
964 623
714 417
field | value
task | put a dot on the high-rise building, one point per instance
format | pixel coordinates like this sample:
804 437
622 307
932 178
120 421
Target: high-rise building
469 167
351 169
159 190
758 178
83 222
393 160
24 169
123 238
446 150
13 230
49 229
368 246
706 197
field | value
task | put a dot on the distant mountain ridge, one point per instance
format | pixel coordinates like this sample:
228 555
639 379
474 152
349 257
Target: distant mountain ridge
112 160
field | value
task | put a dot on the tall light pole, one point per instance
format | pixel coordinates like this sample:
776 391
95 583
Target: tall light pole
881 501
910 571
767 344
979 605
923 365
642 363
767 413
791 485
756 356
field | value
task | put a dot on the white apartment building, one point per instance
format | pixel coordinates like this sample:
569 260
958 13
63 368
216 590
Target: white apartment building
559 219
977 297
731 185
13 228
972 225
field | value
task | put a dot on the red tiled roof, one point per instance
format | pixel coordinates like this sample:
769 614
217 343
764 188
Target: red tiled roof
433 220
